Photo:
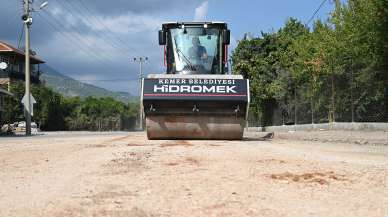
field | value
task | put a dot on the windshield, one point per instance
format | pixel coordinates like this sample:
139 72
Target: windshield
196 50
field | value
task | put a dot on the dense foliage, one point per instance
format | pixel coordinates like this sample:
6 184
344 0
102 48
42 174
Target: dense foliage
336 69
56 112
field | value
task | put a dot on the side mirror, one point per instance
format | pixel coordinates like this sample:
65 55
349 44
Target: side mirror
162 37
226 36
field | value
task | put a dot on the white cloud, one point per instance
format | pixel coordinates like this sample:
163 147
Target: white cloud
128 23
100 40
79 49
201 11
60 15
93 46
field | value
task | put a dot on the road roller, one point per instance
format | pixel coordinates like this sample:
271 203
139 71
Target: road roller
196 98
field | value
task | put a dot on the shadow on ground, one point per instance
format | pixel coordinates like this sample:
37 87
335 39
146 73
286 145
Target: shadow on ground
266 137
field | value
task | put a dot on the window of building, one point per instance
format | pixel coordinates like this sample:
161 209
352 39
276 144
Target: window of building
4 59
1 103
15 67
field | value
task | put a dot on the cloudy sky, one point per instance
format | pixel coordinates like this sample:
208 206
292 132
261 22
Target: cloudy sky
95 40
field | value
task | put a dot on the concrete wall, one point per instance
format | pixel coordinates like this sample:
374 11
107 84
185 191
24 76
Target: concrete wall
326 126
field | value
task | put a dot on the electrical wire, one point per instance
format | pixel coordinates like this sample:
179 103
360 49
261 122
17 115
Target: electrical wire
109 80
14 18
99 20
80 15
103 56
92 20
315 12
21 35
76 12
72 41
96 49
69 38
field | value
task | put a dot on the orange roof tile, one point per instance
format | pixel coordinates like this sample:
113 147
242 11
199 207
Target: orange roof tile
5 47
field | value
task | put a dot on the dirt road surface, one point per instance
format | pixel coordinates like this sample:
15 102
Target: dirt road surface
124 174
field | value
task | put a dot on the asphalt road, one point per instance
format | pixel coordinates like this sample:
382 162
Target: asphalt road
124 174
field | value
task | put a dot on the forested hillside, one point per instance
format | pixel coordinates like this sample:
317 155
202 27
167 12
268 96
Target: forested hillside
54 111
70 87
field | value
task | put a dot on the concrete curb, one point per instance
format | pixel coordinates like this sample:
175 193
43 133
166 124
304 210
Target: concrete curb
326 126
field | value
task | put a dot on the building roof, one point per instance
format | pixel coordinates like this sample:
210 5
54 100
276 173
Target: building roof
4 92
5 47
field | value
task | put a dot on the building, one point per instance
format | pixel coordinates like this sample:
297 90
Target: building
15 71
15 59
3 94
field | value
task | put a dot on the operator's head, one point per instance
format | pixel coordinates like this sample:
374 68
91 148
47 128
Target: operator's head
196 41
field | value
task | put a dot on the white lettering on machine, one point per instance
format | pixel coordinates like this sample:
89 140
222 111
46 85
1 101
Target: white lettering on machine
193 89
196 81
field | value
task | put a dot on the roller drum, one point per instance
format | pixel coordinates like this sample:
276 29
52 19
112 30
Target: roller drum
195 127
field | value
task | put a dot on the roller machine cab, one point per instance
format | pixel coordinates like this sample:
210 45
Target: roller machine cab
195 98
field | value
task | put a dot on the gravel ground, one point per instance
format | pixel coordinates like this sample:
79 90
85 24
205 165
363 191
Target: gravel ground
124 174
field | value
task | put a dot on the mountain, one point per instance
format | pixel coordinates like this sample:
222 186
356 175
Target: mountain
71 87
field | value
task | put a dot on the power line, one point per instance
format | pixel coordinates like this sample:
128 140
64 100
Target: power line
105 55
99 20
77 39
20 36
96 20
84 41
14 17
88 19
19 40
72 41
68 37
90 22
315 12
110 80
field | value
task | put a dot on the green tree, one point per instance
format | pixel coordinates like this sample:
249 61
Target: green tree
338 67
55 112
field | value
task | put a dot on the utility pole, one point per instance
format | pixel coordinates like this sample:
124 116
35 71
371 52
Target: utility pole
351 88
332 113
27 20
141 60
230 66
295 106
27 23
